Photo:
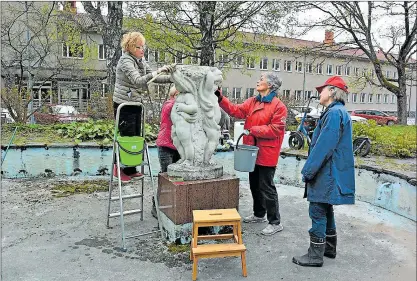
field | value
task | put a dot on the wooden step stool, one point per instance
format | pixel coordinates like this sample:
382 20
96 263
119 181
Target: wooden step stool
219 217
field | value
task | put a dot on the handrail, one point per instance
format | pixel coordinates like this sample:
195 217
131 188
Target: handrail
8 146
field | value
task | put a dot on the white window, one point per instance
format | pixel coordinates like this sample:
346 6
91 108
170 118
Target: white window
263 65
73 51
317 94
309 67
378 98
146 54
395 75
338 70
356 70
354 98
298 94
286 93
364 71
319 68
388 74
363 98
347 70
155 56
329 69
393 98
299 66
307 95
179 57
225 91
250 63
288 65
195 58
104 89
370 98
101 52
276 64
239 61
250 92
236 92
386 98
223 59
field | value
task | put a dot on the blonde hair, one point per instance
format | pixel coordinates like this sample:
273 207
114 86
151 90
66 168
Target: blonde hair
172 91
130 39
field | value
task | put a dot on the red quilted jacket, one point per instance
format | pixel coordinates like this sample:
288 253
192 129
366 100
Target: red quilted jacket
164 136
266 122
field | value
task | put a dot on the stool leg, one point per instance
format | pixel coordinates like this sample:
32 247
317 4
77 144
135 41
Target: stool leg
195 268
243 258
235 233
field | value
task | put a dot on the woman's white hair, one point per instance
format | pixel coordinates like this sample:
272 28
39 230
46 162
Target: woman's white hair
273 80
337 94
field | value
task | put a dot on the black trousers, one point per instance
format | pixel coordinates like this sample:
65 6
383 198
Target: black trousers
166 157
130 124
264 193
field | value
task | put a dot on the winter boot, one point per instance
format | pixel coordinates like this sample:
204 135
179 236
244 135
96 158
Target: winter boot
314 257
123 176
331 242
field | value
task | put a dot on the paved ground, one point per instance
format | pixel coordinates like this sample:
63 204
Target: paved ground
46 238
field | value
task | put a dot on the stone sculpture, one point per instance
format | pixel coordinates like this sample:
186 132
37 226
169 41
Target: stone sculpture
195 117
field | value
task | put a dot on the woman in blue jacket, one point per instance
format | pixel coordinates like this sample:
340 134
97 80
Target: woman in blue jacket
328 172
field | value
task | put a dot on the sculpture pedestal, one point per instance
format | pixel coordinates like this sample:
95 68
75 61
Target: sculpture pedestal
192 173
177 200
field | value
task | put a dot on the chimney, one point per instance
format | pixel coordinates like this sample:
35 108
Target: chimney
328 37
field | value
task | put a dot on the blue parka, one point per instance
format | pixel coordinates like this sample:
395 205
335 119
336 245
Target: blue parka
329 171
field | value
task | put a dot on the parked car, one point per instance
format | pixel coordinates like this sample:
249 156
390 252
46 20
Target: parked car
51 114
379 116
5 116
358 119
312 111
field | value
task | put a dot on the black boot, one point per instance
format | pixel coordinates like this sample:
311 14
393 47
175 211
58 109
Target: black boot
153 212
314 257
331 242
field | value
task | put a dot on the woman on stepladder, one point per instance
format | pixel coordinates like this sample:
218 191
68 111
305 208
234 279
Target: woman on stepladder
132 75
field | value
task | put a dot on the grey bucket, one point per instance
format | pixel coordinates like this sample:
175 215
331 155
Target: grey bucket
245 156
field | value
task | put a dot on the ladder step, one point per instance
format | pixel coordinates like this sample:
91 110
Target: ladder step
125 213
138 195
222 248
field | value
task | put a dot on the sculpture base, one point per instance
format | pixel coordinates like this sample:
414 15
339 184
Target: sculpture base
192 173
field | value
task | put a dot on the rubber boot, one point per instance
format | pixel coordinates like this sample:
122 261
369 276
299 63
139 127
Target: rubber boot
331 243
314 256
153 211
123 176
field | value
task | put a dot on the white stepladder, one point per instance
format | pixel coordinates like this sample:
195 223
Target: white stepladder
130 152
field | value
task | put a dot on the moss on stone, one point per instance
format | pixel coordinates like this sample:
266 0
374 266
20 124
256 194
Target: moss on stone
63 189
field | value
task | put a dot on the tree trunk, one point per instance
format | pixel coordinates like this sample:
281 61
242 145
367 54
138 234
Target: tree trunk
206 11
402 101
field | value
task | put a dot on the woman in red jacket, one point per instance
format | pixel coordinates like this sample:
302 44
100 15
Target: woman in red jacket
265 116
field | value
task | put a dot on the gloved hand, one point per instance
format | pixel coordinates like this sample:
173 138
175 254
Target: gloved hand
167 69
218 93
246 132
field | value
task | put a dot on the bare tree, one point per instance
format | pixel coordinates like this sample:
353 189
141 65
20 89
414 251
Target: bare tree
198 29
358 21
110 27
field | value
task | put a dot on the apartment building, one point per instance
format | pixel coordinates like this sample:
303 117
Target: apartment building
301 72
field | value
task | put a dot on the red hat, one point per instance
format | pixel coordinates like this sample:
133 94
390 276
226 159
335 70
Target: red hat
335 81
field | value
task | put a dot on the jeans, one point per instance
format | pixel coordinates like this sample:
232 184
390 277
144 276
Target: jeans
264 193
322 218
166 157
130 124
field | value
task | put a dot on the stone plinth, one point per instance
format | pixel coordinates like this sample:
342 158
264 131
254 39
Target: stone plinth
193 173
177 200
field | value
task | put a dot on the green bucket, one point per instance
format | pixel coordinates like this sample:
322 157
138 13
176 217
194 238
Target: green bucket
131 150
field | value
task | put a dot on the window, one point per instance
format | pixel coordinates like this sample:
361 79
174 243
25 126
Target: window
309 67
236 92
378 98
250 63
250 92
354 98
363 98
319 68
276 64
156 55
329 69
286 93
288 65
72 51
386 98
178 58
372 74
395 75
223 59
347 70
307 95
101 52
298 94
338 70
347 98
356 70
195 58
388 74
364 71
263 65
225 91
370 98
239 62
393 98
299 66
104 89
146 54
